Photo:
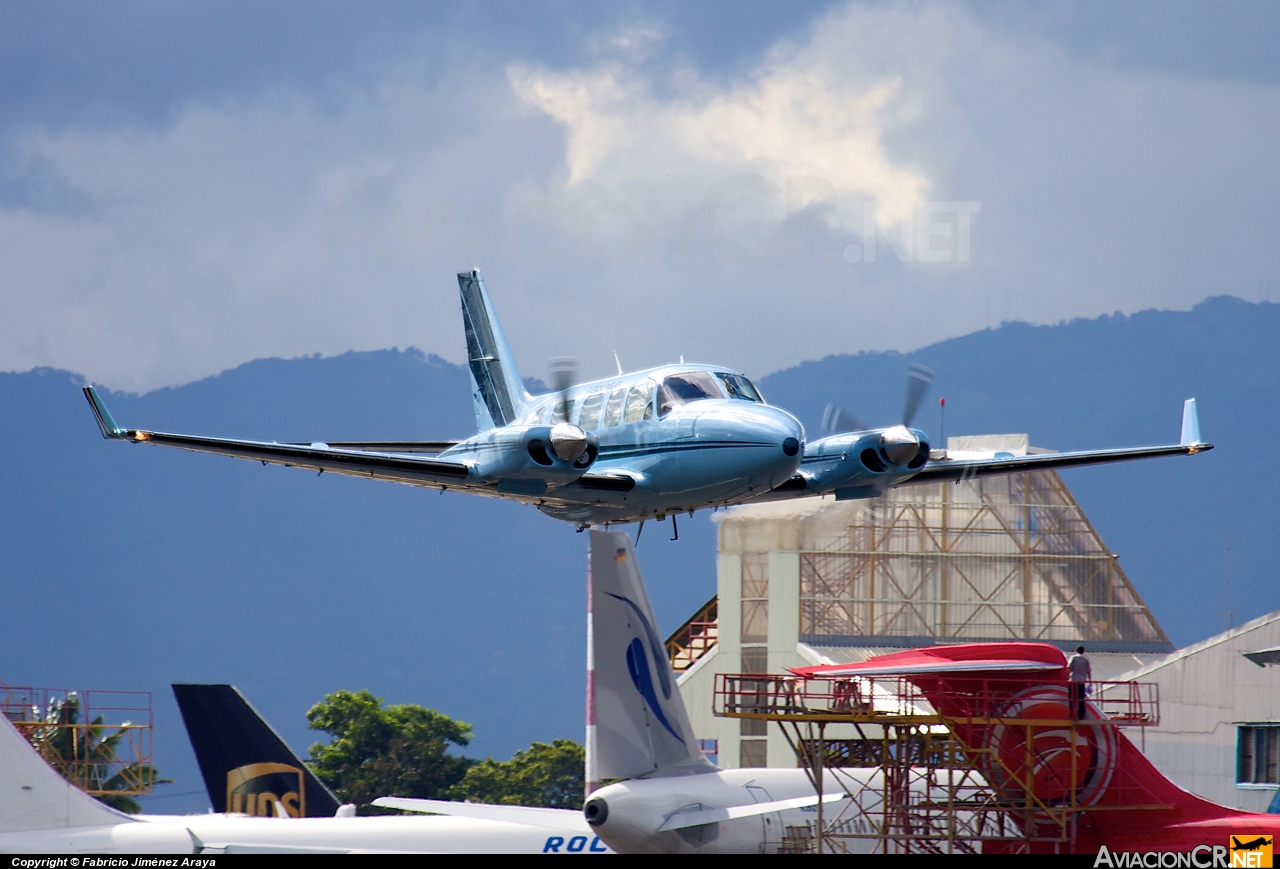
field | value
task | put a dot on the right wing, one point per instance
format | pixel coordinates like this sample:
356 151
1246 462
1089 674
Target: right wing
342 459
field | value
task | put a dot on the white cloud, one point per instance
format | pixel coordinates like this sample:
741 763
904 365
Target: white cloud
798 116
638 205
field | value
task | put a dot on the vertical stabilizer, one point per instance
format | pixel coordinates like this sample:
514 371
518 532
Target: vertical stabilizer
496 388
34 797
234 744
636 721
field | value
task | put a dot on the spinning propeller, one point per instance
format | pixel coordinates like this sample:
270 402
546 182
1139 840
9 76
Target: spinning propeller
899 444
568 441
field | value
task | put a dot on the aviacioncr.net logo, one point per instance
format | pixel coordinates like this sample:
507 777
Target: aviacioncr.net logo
1199 857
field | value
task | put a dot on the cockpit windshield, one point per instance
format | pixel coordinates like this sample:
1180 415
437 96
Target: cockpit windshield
680 389
739 387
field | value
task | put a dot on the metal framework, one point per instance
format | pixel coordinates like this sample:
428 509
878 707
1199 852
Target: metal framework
1011 774
100 741
998 558
694 638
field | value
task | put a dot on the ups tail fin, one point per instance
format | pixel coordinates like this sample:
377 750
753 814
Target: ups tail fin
34 797
636 720
234 744
496 388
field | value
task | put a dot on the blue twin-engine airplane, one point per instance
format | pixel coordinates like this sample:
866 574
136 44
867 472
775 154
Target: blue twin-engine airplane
645 445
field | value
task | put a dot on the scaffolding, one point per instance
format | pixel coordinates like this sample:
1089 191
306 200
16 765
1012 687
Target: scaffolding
100 741
998 558
695 637
977 766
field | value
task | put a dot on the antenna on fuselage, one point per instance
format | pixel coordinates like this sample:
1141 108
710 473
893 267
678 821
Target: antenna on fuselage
619 361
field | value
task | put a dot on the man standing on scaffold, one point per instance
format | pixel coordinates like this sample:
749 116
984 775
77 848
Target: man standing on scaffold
1081 671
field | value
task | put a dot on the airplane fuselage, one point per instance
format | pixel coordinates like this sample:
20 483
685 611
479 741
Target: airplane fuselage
214 834
706 452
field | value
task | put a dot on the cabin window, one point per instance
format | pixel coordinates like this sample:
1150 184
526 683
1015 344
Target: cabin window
680 389
613 410
639 402
1258 754
535 416
739 387
561 411
589 418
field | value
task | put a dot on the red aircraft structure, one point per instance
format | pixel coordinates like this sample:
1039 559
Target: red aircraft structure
1123 801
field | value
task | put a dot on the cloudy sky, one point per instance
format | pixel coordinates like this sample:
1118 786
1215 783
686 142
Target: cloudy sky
185 187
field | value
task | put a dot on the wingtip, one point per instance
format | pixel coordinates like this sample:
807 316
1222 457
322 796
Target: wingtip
106 423
1191 426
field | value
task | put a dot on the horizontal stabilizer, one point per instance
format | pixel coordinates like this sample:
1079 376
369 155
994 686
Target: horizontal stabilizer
700 816
924 668
533 816
1010 657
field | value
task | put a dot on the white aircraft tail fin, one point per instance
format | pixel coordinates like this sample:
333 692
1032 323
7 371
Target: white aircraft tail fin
34 797
496 388
636 721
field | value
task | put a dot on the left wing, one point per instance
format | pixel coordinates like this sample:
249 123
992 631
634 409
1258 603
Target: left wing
343 459
389 446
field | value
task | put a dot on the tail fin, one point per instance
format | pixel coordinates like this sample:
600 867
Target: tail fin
34 797
992 692
496 388
636 721
241 757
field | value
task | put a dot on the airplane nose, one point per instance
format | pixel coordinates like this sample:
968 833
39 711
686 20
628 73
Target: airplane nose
759 425
779 427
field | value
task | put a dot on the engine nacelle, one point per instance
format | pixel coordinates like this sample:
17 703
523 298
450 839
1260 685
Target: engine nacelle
873 459
538 453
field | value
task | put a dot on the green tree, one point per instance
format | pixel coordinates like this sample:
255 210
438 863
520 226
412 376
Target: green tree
379 752
541 775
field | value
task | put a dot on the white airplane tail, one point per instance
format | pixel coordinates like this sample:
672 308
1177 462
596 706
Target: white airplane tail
636 721
496 387
34 797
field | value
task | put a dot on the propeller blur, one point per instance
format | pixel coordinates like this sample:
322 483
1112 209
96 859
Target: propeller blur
665 440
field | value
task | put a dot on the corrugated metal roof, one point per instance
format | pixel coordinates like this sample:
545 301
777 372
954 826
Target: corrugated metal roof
1195 648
